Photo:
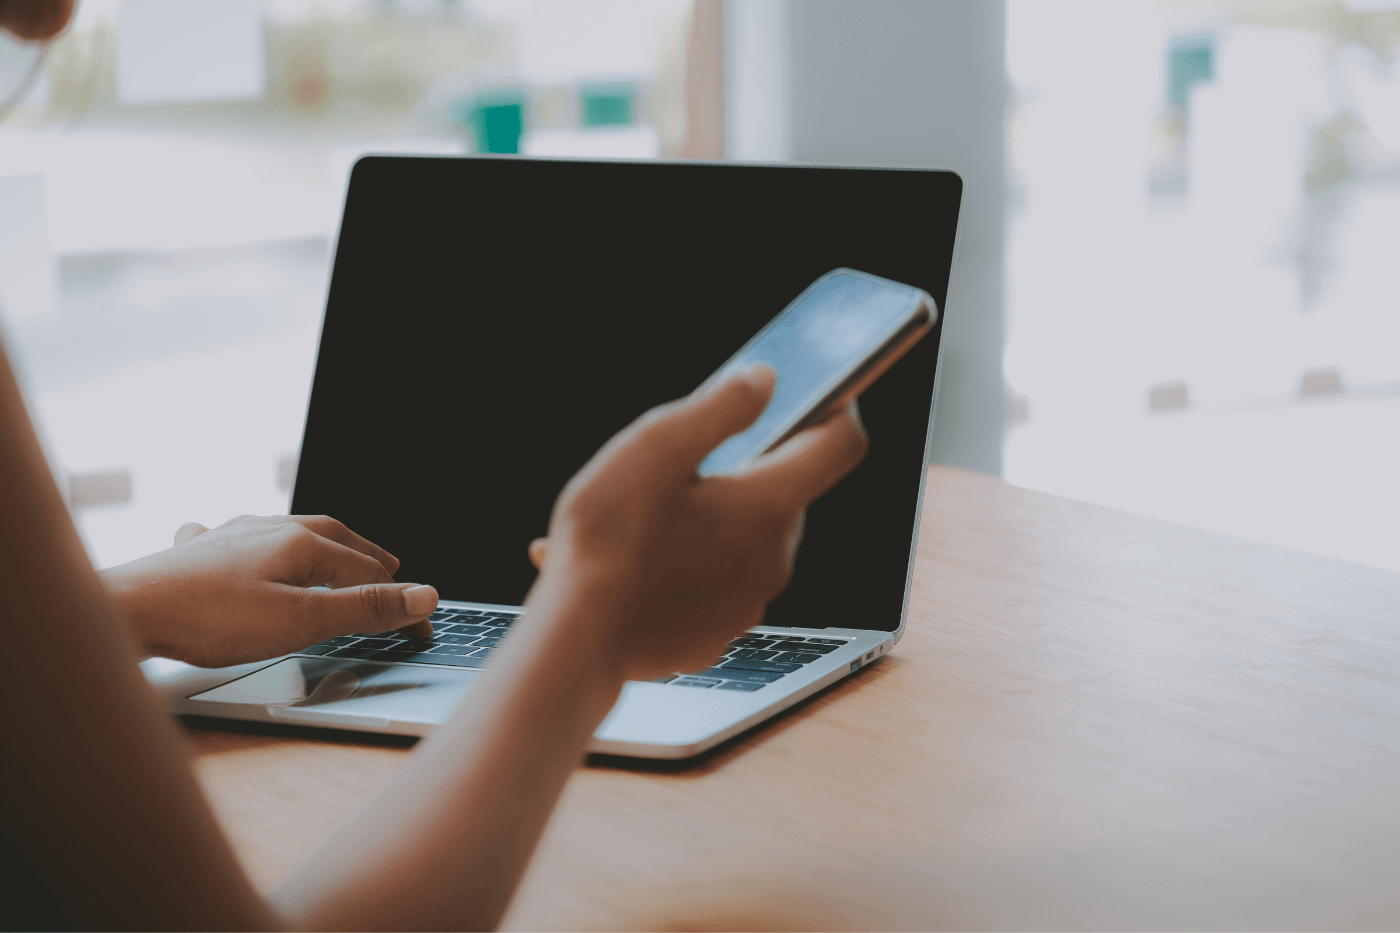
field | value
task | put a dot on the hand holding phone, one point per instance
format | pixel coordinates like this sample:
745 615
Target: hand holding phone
831 343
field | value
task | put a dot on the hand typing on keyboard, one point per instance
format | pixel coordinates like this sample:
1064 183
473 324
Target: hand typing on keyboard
241 592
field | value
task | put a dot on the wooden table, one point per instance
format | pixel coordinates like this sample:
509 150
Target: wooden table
1095 721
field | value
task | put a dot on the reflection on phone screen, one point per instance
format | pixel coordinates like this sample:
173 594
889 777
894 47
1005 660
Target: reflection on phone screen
812 347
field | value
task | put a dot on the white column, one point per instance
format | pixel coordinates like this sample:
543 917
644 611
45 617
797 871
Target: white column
756 79
896 82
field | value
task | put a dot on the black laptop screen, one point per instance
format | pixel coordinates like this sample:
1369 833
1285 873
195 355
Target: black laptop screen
491 322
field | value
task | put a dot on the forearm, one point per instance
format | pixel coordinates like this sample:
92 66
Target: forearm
446 844
97 794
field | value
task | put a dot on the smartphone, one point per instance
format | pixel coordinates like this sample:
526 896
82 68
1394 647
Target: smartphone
827 346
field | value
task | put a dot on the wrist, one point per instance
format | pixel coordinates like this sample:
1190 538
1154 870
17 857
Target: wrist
584 611
125 588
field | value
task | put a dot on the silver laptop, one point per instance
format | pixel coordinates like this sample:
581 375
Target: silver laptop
490 323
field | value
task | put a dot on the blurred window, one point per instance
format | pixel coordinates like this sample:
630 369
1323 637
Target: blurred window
1204 297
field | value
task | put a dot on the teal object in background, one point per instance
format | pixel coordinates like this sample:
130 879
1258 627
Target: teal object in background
495 118
1190 61
607 104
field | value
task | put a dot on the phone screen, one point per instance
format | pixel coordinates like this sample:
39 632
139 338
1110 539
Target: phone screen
813 346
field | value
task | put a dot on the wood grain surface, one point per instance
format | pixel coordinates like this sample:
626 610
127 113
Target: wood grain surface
1094 721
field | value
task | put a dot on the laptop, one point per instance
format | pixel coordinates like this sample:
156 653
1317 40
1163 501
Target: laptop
491 321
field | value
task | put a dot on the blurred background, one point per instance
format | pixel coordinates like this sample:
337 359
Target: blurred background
1177 290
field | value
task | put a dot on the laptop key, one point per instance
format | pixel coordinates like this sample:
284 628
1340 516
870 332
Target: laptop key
797 657
489 642
772 667
450 649
372 643
755 677
320 649
739 685
805 646
452 638
469 629
340 641
750 643
753 653
693 682
826 641
665 680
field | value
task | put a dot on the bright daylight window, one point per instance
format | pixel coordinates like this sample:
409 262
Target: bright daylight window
184 164
1204 289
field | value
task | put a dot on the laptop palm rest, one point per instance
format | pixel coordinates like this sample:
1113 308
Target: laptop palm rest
332 691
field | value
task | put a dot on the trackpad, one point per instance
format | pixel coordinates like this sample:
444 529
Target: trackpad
312 688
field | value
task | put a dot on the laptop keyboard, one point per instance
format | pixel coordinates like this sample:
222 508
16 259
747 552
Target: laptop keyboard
461 638
753 661
467 638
